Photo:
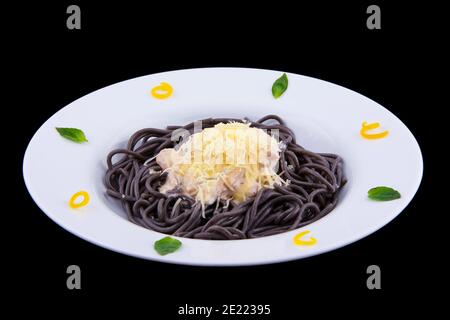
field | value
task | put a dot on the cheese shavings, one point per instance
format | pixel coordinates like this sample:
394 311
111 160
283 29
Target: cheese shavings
230 161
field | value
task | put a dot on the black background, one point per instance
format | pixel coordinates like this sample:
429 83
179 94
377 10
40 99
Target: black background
126 40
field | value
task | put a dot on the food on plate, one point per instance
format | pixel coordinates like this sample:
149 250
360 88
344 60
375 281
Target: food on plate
223 179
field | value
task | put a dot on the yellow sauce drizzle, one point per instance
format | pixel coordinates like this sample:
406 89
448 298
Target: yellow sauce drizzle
80 204
370 126
299 242
163 91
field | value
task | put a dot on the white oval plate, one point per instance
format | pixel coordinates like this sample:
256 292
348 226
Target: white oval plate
325 117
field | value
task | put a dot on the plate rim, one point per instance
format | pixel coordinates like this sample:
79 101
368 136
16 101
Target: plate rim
157 258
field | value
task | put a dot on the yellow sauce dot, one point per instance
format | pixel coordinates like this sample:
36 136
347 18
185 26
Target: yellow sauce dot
72 202
370 126
163 91
299 242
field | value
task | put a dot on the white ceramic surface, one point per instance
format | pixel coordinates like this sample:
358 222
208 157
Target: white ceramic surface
325 117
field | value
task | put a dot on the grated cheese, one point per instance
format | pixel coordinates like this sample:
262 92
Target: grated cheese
227 161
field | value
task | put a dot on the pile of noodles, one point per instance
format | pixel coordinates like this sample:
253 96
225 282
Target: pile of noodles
315 180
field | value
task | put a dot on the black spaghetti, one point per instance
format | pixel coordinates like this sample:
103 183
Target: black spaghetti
315 180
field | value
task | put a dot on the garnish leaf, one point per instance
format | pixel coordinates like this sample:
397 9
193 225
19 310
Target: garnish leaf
383 194
167 245
73 134
279 86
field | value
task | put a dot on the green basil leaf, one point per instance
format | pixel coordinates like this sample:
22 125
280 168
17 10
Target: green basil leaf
167 245
73 134
383 194
279 86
